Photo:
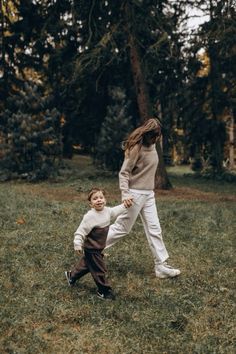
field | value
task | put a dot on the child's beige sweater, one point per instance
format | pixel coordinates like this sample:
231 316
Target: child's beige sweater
138 170
95 219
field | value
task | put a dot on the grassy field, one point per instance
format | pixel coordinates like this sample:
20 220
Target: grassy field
194 313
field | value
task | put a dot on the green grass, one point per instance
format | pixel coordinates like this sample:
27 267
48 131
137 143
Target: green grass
194 313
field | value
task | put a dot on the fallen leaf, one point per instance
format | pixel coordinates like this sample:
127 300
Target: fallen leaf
20 221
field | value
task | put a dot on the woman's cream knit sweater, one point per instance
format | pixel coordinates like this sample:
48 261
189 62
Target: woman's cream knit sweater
138 170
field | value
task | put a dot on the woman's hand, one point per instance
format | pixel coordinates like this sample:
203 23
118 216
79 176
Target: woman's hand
128 202
79 252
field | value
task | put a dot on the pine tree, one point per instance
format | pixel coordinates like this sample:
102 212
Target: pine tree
115 128
31 141
126 40
210 93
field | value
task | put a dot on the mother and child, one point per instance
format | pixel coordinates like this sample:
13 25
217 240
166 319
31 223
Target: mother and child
137 184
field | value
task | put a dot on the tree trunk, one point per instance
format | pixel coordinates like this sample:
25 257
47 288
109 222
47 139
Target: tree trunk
161 180
143 100
218 146
231 141
2 48
139 82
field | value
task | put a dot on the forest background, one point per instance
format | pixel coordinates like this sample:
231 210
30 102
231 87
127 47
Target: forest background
80 75
76 76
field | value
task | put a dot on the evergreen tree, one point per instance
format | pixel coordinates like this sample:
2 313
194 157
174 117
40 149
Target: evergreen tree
116 40
31 138
115 128
22 44
211 90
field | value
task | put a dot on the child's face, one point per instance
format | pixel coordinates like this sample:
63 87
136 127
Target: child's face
98 201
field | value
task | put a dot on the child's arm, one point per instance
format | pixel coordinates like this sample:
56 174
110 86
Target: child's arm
117 210
80 234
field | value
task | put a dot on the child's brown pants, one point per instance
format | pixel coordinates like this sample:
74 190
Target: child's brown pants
92 262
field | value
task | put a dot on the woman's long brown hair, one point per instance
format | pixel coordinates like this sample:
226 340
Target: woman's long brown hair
136 137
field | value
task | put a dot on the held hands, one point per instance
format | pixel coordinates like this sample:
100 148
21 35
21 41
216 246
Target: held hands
79 252
128 202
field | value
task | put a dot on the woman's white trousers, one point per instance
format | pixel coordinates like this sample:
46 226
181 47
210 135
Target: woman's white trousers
145 206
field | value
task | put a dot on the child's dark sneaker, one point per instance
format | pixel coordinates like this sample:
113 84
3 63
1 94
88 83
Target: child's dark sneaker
69 279
106 296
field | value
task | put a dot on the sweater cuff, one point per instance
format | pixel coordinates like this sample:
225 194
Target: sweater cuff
78 247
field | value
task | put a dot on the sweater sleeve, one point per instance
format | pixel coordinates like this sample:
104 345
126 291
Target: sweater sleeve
117 210
80 234
126 170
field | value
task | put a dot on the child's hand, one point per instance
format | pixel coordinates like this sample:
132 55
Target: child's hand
79 252
128 202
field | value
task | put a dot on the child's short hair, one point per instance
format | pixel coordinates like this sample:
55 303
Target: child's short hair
95 190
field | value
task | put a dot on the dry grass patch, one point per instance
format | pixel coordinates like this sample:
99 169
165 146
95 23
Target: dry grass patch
186 193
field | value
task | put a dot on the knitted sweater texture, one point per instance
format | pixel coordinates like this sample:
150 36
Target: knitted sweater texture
138 170
95 219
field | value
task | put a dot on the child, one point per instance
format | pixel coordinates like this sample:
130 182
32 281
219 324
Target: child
91 237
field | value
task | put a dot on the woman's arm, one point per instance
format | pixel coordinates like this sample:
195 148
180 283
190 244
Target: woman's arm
126 169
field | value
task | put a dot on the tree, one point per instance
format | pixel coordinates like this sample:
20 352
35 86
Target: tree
22 42
115 37
211 91
31 135
115 128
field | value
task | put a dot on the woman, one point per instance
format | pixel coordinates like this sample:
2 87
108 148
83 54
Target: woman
137 184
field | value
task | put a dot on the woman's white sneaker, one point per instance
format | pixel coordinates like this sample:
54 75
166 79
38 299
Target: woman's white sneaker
163 270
